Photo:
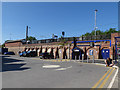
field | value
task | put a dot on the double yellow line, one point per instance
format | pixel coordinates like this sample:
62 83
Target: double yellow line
103 78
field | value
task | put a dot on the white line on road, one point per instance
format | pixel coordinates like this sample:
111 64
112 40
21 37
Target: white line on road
63 68
113 79
51 66
16 63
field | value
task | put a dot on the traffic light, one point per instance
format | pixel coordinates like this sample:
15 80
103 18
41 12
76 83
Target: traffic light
74 40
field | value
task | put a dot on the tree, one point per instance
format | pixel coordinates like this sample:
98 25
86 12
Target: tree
99 32
2 46
31 38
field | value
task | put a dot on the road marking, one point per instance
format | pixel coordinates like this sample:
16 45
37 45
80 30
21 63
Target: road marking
112 81
16 63
101 79
63 68
51 66
60 69
101 86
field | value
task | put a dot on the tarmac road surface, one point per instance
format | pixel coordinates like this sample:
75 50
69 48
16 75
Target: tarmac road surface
23 72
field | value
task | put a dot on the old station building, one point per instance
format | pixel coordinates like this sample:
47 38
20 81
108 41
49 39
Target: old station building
99 47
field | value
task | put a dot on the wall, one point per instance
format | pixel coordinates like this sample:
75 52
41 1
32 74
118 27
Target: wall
17 46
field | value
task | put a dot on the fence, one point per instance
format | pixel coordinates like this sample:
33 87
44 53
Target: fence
82 38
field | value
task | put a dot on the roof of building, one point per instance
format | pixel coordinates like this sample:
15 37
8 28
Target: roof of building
11 41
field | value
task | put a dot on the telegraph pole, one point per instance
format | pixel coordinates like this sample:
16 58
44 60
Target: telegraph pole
26 33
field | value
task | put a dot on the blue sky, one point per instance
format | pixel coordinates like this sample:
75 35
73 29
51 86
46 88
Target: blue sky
47 18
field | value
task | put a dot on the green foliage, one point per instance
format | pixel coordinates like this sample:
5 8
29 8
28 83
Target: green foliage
99 32
31 38
3 45
63 41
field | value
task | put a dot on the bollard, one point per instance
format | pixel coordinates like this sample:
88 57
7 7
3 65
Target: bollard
75 57
82 58
79 58
93 58
65 58
87 59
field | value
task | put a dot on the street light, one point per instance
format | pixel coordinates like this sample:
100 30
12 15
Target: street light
95 22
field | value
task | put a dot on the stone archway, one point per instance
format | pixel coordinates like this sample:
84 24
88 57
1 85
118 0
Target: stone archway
39 51
28 49
36 51
77 53
105 52
51 53
46 49
43 50
65 53
91 51
25 49
57 53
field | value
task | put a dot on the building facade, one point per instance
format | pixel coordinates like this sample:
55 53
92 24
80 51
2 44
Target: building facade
99 49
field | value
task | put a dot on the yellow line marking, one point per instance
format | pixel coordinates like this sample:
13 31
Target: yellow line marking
101 86
101 79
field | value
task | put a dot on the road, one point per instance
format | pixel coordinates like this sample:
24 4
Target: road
23 72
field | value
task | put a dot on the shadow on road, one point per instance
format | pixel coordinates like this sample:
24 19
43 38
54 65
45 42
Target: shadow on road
9 64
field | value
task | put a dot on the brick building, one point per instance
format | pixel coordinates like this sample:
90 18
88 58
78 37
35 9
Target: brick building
97 48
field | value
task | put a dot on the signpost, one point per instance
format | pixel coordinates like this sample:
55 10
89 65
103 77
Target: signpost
91 52
87 57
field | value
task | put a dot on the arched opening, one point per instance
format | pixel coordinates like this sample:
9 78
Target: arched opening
39 51
25 49
43 50
36 50
28 49
65 54
51 53
57 53
77 53
93 53
46 50
105 53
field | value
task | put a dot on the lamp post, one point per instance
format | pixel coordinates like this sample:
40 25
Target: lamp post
95 22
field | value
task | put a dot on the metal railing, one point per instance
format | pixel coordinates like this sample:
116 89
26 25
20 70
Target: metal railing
93 37
82 38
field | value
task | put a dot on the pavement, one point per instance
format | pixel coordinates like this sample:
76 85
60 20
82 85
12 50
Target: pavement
31 72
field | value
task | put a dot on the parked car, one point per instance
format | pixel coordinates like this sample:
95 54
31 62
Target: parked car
45 56
23 53
31 54
9 53
28 54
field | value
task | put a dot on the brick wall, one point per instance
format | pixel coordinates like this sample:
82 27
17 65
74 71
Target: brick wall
13 44
16 46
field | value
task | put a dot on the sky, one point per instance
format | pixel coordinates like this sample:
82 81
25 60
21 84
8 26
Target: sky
47 18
